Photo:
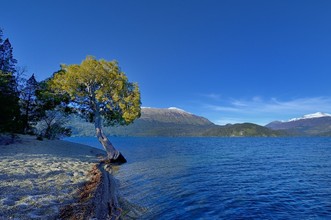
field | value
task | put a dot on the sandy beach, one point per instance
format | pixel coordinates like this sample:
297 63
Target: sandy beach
38 178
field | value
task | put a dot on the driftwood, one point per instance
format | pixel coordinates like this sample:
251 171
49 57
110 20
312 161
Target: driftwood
97 199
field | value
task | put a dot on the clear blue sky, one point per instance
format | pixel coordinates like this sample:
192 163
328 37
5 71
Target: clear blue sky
230 61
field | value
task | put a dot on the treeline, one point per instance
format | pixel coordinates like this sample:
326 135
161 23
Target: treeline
28 106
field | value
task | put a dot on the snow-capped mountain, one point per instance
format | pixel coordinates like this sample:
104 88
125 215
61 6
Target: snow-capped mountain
172 115
314 115
175 108
311 124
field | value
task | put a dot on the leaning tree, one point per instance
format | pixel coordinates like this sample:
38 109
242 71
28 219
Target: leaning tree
102 94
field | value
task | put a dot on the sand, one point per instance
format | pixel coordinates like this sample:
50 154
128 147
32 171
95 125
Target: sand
37 178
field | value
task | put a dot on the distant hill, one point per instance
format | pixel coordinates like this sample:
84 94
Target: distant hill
173 122
317 124
243 130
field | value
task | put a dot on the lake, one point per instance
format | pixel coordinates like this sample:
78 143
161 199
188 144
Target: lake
226 178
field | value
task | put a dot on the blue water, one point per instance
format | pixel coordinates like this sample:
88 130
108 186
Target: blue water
226 178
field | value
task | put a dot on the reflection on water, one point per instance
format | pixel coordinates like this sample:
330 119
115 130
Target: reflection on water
229 178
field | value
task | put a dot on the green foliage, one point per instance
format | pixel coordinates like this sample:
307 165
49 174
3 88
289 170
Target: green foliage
9 109
242 130
47 99
99 87
7 61
53 111
28 103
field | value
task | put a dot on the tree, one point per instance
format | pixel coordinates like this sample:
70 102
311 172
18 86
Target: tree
51 124
100 91
7 61
53 111
9 108
1 35
29 107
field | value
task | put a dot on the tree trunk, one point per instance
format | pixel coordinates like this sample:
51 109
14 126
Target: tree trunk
114 155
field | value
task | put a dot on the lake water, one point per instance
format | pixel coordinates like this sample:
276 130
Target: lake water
226 178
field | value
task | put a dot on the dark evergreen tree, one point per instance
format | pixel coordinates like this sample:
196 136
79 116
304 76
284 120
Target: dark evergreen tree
29 106
7 61
9 108
9 100
1 34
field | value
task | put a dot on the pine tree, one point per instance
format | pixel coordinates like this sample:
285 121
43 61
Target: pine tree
1 34
7 61
9 108
29 107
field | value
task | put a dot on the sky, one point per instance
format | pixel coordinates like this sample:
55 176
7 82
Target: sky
230 61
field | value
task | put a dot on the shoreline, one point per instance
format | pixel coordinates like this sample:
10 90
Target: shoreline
97 198
40 178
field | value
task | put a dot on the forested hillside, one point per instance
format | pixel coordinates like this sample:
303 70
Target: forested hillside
174 122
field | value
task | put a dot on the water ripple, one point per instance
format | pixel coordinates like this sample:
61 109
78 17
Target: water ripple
228 178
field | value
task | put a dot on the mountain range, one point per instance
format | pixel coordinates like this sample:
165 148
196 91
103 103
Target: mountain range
174 122
316 124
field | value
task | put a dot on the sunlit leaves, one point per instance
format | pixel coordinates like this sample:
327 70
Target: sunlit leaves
102 87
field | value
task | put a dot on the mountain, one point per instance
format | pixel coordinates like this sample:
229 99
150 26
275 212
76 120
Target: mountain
243 130
311 116
316 124
172 115
173 122
153 122
164 122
